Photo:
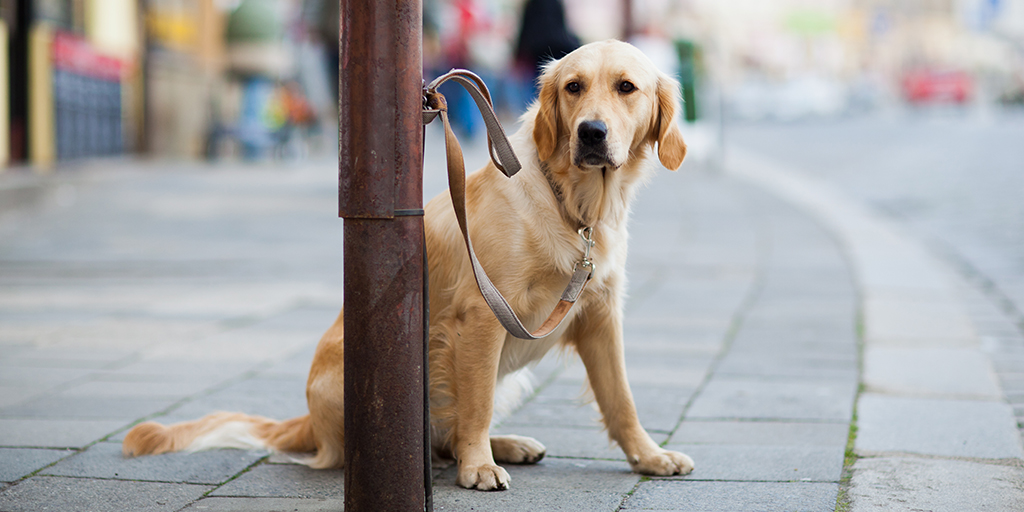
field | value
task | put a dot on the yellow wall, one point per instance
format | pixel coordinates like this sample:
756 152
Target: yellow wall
42 132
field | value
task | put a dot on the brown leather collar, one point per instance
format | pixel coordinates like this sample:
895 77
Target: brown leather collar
574 222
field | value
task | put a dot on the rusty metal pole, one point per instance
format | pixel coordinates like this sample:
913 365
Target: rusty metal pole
381 200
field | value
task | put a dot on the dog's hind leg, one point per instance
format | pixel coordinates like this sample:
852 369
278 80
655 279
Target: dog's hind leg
323 429
477 350
325 394
512 449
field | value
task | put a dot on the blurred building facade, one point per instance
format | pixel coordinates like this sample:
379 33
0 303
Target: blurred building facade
788 58
251 78
70 79
167 78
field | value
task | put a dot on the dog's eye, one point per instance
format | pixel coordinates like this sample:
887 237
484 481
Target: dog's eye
573 87
626 87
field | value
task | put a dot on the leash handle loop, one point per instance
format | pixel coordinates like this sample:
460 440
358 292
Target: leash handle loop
497 142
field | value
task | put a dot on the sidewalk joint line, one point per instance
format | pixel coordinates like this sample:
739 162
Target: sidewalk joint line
625 497
763 246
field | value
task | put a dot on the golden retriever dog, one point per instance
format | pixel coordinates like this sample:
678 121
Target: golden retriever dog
585 145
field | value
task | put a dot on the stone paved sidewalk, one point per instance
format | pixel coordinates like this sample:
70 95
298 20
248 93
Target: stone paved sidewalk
169 292
935 429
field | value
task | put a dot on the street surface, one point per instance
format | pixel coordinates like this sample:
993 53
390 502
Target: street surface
953 179
763 311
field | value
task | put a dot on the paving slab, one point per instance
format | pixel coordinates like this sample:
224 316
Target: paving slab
953 428
937 372
667 373
795 339
116 331
801 307
39 357
764 433
937 323
574 442
252 346
112 386
215 504
41 378
830 285
72 407
696 496
295 365
905 483
54 494
16 463
104 460
202 371
822 365
676 326
660 407
762 463
286 481
693 303
312 320
556 414
790 399
14 395
560 391
552 484
281 398
692 341
664 360
55 433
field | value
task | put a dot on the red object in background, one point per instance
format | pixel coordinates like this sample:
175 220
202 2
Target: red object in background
75 54
923 86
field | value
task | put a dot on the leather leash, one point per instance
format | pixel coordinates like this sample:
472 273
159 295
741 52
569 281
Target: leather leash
435 105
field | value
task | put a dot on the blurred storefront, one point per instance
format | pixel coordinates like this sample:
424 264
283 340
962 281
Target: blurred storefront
72 77
184 58
164 78
257 78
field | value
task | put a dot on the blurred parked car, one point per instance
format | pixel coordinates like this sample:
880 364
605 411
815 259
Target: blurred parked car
931 86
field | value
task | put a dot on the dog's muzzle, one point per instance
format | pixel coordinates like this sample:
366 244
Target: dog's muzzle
592 146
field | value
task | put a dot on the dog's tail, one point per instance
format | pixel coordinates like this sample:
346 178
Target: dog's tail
322 431
223 430
237 430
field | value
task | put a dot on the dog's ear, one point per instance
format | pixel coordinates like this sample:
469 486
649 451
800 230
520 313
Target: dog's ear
671 148
545 125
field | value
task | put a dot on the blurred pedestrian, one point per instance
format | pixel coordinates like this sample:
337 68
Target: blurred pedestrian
466 18
543 36
322 19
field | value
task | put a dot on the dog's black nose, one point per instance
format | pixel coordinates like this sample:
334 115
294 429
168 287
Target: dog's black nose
592 132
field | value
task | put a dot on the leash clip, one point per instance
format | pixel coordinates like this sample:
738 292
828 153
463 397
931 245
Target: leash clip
433 104
587 234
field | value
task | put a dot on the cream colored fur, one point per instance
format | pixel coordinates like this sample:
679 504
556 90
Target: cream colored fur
524 231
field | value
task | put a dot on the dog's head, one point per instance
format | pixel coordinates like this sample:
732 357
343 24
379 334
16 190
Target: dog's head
601 103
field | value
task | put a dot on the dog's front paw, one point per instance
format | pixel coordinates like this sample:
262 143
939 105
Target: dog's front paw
485 477
662 463
517 449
